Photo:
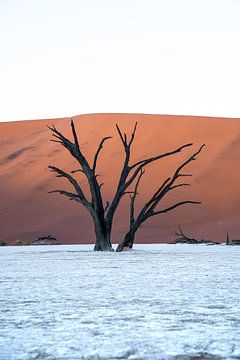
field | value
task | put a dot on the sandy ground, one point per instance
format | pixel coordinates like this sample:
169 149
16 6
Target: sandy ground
27 211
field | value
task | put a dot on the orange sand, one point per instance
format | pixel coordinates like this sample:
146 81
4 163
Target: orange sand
27 211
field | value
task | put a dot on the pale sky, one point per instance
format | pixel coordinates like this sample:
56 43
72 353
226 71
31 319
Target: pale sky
66 57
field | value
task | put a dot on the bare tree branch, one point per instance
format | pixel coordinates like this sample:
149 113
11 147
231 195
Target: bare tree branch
98 151
57 134
154 158
141 164
133 198
78 170
106 206
74 183
120 134
72 196
72 147
174 206
153 198
170 185
75 151
75 137
133 134
179 185
121 187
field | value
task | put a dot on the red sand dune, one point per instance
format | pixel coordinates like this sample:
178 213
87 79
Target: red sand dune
27 211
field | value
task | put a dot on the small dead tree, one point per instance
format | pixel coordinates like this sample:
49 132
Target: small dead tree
181 237
102 215
149 209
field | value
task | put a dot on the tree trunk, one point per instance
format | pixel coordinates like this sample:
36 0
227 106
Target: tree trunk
127 243
102 237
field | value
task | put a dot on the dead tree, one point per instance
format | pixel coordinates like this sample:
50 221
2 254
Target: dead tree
102 216
184 238
228 240
149 209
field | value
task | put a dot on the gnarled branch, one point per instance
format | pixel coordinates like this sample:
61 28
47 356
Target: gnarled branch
71 196
98 151
75 150
75 184
173 207
170 184
154 158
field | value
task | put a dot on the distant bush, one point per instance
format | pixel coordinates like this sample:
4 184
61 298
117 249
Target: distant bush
3 243
19 242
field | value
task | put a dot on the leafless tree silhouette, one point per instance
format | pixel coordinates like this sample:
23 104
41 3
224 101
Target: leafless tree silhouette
149 209
102 214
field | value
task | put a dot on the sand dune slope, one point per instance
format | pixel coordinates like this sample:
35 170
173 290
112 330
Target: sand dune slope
27 211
